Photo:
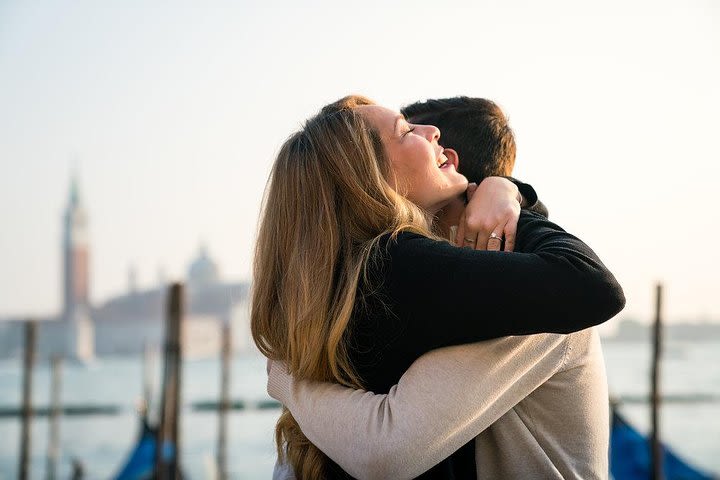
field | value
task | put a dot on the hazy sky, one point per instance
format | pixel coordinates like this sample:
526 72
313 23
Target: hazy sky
173 113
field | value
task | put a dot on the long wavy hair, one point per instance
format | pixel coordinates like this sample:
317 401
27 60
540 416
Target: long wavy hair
327 203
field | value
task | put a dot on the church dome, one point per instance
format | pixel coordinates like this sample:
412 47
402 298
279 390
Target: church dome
203 269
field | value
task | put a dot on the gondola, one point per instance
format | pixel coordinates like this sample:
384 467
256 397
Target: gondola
630 456
140 464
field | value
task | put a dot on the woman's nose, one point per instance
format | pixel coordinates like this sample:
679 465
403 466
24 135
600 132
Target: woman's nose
432 133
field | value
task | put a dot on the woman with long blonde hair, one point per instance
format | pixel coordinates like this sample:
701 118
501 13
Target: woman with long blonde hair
350 279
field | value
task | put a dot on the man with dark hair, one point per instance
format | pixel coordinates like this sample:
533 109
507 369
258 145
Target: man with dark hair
477 132
474 127
536 405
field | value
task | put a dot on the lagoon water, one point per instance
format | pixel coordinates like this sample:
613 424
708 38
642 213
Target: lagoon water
103 442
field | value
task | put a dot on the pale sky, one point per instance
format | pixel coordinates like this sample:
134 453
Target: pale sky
172 114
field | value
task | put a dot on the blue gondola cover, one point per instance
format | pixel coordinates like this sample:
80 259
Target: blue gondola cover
630 456
140 465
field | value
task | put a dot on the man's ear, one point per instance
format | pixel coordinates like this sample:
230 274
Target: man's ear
452 157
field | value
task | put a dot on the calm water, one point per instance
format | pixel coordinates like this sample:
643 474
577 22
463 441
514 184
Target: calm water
102 442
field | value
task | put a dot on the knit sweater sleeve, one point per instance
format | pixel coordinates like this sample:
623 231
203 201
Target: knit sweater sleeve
444 295
446 398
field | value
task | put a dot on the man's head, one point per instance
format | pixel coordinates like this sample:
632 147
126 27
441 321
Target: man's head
475 127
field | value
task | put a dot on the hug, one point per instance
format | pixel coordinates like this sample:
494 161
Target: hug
421 315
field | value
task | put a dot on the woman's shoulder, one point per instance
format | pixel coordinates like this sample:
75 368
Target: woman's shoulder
405 238
408 244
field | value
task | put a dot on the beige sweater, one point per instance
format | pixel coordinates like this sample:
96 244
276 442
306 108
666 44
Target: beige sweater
536 405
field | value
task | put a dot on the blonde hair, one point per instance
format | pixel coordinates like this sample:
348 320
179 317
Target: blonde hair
326 206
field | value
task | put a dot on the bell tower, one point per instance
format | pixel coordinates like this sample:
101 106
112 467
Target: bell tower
80 338
75 252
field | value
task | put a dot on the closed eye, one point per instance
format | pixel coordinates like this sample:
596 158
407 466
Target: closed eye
411 129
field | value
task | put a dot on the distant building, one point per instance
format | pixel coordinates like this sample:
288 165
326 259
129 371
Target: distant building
203 270
127 323
79 332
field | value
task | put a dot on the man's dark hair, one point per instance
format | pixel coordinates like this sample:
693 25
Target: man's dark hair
475 127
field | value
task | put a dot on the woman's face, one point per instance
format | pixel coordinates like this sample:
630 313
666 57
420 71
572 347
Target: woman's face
422 172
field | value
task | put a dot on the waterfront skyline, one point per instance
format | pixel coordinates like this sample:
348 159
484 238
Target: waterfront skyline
171 117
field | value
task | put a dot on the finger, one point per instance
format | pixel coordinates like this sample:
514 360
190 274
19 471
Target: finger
494 245
510 231
495 240
472 187
469 242
482 238
469 238
466 237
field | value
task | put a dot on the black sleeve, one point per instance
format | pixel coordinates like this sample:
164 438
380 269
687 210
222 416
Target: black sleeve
531 197
444 295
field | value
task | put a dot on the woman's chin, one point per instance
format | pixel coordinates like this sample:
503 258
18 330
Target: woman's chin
460 185
456 178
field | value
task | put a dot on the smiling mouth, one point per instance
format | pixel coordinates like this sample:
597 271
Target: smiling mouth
443 161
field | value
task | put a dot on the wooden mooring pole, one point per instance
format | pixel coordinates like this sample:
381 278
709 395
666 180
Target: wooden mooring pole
28 364
53 451
226 351
655 445
147 380
168 431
